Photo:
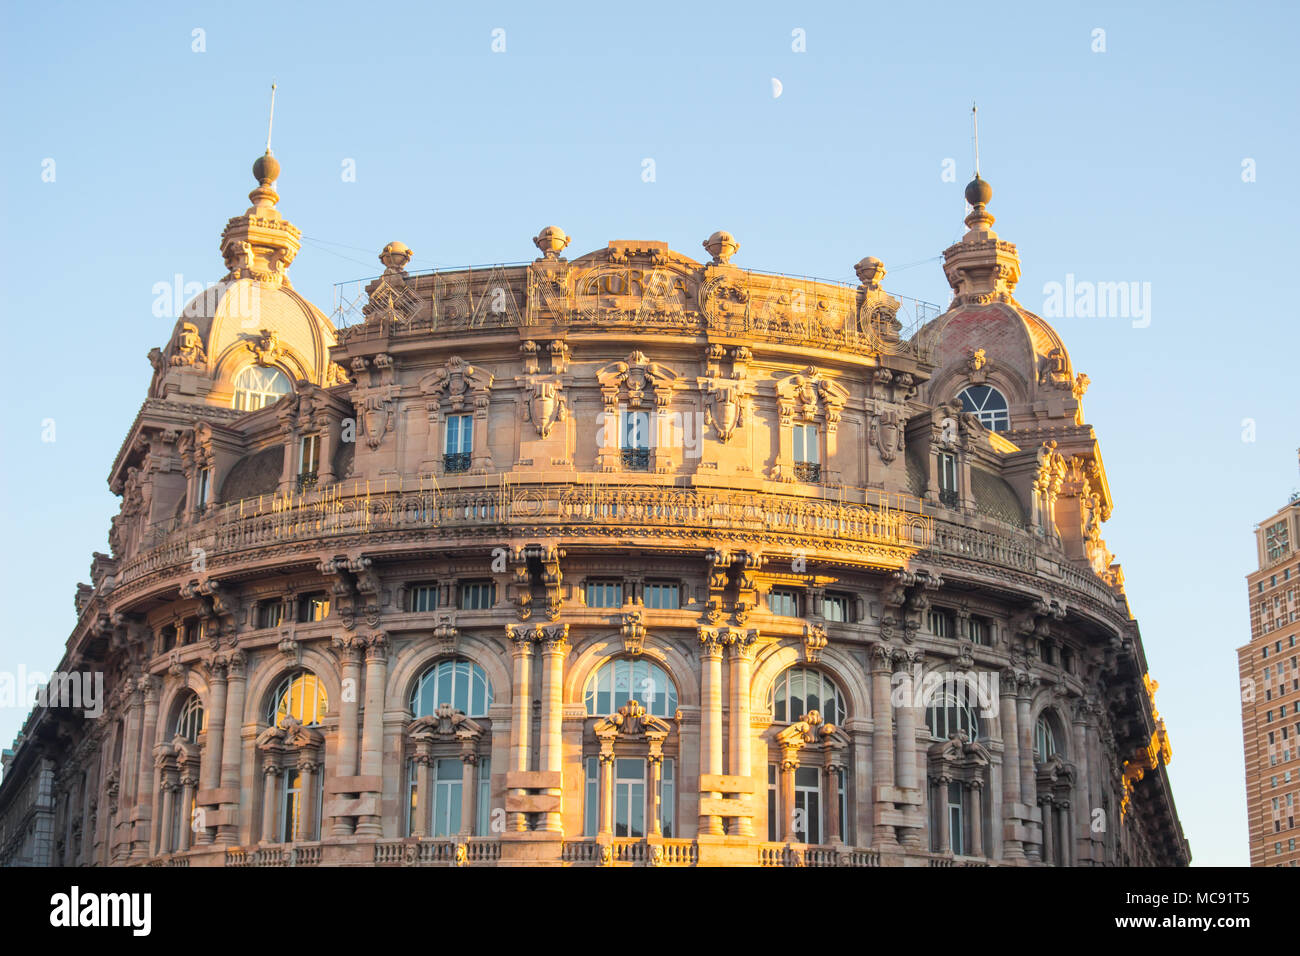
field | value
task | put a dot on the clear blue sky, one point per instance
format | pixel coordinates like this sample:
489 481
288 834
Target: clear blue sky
1116 166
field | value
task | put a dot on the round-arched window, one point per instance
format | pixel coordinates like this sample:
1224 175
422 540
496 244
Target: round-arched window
300 696
461 683
1044 740
189 719
988 404
801 689
256 387
618 681
950 711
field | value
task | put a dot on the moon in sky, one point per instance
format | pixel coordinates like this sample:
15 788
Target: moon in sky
776 87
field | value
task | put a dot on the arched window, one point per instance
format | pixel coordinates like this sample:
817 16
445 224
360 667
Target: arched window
987 403
801 689
461 683
300 695
189 719
618 681
256 387
1044 740
950 712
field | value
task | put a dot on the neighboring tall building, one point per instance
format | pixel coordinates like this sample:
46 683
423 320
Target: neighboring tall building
1270 691
624 559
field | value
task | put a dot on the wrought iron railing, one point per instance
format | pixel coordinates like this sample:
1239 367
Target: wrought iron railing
457 463
810 471
636 459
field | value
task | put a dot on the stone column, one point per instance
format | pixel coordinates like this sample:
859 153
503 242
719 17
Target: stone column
521 720
327 427
1047 830
130 751
710 718
1025 740
236 682
423 788
742 746
270 799
882 738
652 795
1078 833
165 819
349 649
1065 836
606 793
372 731
832 801
1025 749
145 775
941 797
480 454
308 767
89 784
905 739
976 818
1012 849
469 794
789 764
188 783
210 768
551 749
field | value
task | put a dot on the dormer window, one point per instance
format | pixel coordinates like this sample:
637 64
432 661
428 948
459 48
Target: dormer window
988 404
256 387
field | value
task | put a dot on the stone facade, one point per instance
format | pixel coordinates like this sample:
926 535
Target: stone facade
621 559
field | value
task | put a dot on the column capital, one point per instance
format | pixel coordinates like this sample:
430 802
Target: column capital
742 642
553 639
881 658
377 646
348 648
712 641
905 659
236 665
272 769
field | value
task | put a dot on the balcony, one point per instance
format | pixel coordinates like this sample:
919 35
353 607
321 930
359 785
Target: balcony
580 508
636 459
306 481
809 471
437 852
948 498
278 854
457 464
630 851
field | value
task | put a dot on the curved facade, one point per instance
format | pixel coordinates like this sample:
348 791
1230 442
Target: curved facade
621 559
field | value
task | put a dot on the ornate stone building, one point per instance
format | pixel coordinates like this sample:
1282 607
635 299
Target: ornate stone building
625 558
